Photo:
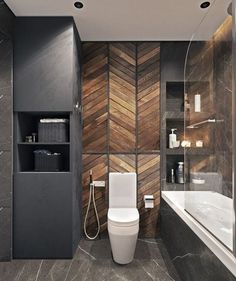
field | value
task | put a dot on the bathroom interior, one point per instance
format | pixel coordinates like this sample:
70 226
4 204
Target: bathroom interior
117 140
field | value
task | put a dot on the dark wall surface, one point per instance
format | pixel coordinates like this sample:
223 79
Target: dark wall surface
43 64
6 100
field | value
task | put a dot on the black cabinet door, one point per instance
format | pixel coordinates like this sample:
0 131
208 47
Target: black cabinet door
43 64
42 226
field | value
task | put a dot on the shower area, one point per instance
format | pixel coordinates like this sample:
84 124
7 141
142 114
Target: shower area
206 199
208 127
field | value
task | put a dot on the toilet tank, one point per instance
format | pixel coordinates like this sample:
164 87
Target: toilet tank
122 190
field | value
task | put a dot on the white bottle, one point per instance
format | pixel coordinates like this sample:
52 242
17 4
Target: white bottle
172 138
197 103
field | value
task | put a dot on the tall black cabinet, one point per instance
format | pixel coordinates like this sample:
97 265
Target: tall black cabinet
47 83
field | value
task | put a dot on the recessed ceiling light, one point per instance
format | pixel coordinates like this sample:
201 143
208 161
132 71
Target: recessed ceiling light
230 9
205 5
78 5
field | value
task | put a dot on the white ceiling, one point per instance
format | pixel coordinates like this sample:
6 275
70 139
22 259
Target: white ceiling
118 20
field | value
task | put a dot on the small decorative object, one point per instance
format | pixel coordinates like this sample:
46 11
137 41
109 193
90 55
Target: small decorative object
28 139
34 137
176 144
197 103
199 143
186 143
198 181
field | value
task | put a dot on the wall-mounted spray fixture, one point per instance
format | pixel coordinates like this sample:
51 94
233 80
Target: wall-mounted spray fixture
91 198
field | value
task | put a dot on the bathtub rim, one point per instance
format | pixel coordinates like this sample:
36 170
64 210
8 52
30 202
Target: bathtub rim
221 251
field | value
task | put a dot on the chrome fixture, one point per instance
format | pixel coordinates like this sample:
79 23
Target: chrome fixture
196 125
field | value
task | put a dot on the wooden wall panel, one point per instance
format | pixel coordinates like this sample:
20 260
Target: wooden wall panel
98 164
148 183
122 163
122 84
148 72
95 97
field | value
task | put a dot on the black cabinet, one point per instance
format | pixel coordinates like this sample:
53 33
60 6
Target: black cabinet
47 205
42 215
44 58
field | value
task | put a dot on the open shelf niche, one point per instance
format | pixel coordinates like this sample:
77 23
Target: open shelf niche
27 123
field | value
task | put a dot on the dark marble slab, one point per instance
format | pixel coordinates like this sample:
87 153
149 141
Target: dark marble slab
6 56
6 89
5 179
6 118
192 258
5 233
93 261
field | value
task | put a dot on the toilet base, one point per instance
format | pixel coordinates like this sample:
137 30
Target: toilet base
123 245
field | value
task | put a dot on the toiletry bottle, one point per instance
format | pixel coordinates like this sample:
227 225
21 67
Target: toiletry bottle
172 177
172 138
180 173
197 103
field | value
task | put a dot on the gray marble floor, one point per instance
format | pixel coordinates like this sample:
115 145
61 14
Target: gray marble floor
93 262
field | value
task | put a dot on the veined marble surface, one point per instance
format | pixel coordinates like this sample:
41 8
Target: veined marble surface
93 261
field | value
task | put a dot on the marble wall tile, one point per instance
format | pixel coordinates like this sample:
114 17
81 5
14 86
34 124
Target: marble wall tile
6 112
192 258
6 118
5 233
5 178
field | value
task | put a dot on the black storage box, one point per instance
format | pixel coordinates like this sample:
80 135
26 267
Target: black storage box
44 161
53 130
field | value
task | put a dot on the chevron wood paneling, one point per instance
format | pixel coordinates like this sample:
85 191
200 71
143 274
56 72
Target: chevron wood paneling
148 183
95 97
121 104
122 97
98 164
148 76
122 163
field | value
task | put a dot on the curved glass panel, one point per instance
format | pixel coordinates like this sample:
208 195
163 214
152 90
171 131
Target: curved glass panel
208 125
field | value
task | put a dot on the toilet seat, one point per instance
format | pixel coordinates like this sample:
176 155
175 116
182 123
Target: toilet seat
123 217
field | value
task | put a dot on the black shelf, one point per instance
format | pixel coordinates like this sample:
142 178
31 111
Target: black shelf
189 151
175 115
174 187
43 143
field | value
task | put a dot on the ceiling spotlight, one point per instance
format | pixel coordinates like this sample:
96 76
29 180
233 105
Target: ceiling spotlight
205 5
78 5
230 9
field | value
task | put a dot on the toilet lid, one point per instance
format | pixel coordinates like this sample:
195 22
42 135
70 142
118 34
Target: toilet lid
123 216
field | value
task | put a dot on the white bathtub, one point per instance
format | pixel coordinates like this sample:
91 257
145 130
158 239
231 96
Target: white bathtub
211 213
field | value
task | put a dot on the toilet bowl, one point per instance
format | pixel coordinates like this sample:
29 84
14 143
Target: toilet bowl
123 216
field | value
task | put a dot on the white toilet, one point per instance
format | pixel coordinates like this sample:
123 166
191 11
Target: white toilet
123 216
